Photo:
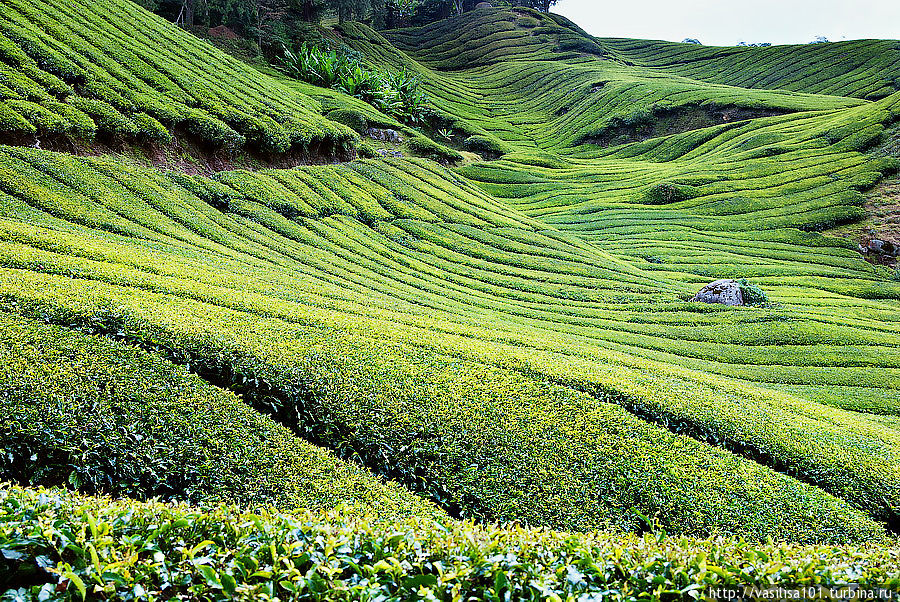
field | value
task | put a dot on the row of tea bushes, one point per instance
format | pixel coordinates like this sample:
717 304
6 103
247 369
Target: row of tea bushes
73 547
101 416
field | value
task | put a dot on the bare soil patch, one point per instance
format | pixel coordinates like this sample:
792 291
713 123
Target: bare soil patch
185 153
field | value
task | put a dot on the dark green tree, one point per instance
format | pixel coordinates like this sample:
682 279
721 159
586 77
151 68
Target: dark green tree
541 5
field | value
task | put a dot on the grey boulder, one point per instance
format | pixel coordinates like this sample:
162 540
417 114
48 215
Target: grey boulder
726 292
384 135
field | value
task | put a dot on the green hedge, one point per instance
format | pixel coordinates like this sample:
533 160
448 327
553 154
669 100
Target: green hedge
491 444
66 547
106 417
140 75
107 117
355 120
421 146
412 316
415 253
13 123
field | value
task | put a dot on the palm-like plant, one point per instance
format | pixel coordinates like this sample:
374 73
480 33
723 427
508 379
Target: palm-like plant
395 93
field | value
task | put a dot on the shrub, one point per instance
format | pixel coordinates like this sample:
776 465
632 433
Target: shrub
366 150
486 145
44 120
261 130
151 129
80 123
486 442
404 99
395 93
421 146
211 130
13 123
52 84
107 118
217 195
353 119
311 64
752 293
48 57
101 546
666 193
107 417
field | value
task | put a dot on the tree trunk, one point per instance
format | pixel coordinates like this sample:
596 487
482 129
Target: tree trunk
189 13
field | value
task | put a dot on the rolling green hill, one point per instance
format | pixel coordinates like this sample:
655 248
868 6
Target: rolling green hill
125 73
396 345
859 68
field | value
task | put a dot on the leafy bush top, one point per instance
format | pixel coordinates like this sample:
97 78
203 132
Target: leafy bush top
752 293
394 92
107 417
71 547
142 77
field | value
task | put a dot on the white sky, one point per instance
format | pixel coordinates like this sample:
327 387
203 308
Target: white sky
726 22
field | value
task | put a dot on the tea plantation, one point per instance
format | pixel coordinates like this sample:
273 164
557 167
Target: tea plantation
465 367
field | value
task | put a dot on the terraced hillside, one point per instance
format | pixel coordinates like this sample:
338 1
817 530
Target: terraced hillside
124 74
859 68
510 338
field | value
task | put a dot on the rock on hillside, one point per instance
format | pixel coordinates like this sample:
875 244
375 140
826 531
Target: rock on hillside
725 291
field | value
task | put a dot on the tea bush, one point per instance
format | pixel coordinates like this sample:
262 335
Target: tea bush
107 417
421 146
752 293
138 75
71 547
492 335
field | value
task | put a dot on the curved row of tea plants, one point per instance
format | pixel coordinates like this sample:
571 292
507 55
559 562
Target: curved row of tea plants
405 251
860 68
79 69
532 91
106 417
74 546
501 337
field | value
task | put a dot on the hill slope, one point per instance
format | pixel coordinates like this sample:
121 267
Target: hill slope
511 339
860 68
123 73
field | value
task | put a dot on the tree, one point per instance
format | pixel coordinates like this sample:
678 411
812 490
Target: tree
394 13
310 10
541 5
188 9
351 10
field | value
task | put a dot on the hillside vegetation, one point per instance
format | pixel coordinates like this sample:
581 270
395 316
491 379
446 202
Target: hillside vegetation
385 348
125 73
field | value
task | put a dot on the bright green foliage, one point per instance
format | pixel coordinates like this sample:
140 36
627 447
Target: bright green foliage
512 338
487 146
332 226
860 68
131 74
124 550
421 146
355 120
11 122
395 93
102 416
752 293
